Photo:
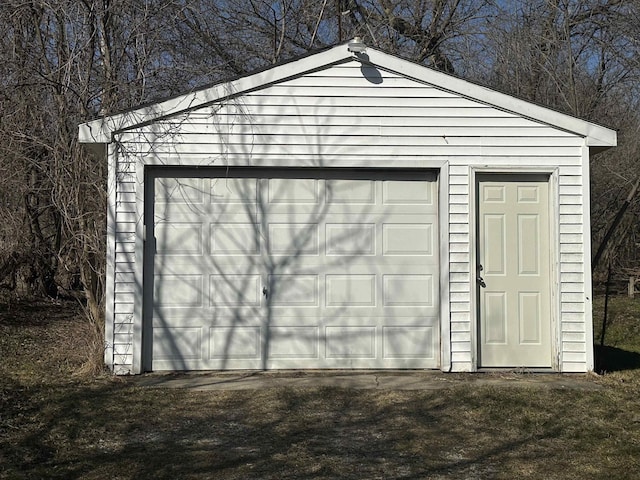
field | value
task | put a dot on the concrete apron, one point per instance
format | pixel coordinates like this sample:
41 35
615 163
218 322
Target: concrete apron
365 380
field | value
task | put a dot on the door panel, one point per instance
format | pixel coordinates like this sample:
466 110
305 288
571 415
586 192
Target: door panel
267 269
514 263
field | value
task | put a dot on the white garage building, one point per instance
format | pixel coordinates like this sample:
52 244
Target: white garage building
347 210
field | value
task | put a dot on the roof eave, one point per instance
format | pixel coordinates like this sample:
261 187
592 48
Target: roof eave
102 129
596 135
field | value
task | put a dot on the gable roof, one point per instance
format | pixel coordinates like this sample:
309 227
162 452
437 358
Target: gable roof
101 130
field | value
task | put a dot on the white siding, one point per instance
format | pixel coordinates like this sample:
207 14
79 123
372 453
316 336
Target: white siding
459 267
574 341
336 117
124 288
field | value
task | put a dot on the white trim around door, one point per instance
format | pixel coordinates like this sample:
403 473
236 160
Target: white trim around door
514 269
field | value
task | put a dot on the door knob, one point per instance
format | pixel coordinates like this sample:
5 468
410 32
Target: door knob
479 278
265 292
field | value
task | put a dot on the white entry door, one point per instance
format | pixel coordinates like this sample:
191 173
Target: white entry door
292 269
514 271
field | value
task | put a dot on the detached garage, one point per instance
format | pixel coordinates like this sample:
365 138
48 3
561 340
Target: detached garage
348 209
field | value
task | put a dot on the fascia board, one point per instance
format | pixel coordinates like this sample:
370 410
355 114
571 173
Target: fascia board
596 135
101 130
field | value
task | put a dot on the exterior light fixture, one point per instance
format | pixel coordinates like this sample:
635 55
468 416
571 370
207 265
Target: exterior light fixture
356 45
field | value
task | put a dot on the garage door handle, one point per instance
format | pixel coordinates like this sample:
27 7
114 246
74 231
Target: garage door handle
265 292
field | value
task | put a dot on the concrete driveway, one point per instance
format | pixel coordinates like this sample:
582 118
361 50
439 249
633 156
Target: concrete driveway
383 380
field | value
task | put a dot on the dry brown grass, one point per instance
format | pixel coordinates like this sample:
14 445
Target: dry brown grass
57 425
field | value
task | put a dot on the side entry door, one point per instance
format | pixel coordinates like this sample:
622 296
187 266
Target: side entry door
514 271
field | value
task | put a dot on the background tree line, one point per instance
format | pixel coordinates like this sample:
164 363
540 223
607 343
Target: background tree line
67 61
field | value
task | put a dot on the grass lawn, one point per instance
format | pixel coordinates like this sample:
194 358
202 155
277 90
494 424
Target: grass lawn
55 423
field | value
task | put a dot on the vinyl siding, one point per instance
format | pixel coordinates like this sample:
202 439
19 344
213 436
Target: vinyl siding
125 292
336 117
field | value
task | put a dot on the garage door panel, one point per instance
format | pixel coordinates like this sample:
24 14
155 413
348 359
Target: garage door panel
235 238
226 192
294 290
357 192
212 213
294 238
287 192
179 264
354 239
235 342
179 238
207 318
362 211
409 341
178 291
414 239
177 343
235 290
402 192
293 341
351 290
177 191
408 290
296 273
350 341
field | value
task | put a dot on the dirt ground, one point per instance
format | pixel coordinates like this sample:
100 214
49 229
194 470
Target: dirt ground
57 420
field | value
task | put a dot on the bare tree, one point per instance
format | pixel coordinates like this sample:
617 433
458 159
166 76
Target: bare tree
68 61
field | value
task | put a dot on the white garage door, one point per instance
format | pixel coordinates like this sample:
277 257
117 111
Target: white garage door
292 269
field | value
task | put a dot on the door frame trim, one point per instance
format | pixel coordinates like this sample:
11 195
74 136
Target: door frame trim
554 281
146 173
